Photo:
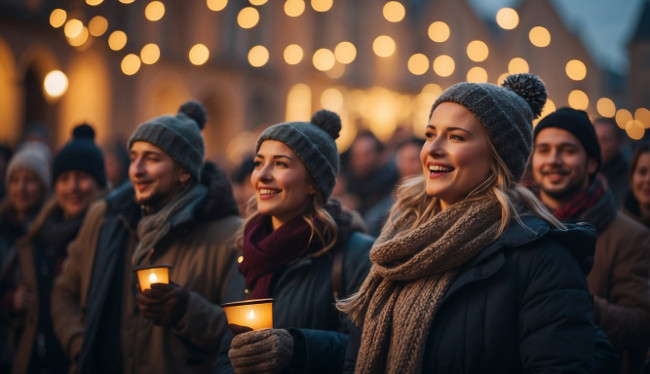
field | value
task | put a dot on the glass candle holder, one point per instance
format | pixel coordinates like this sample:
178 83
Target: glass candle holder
152 274
256 314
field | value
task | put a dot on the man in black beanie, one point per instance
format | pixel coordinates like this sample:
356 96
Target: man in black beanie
177 211
565 163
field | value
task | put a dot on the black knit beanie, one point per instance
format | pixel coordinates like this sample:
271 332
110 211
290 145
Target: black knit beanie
577 123
506 112
313 143
179 136
81 153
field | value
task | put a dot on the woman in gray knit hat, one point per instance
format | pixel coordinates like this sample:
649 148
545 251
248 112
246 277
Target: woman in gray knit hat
298 248
470 274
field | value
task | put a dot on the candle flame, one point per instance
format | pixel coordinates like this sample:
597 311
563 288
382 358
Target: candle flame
153 278
251 315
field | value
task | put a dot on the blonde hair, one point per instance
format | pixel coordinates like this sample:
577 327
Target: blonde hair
315 212
412 198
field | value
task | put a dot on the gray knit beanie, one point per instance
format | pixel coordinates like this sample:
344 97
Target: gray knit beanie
179 136
33 158
506 111
313 142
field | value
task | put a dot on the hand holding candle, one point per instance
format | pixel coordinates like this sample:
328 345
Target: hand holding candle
165 304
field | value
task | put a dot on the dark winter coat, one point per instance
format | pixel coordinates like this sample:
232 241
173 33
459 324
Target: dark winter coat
305 305
521 305
199 250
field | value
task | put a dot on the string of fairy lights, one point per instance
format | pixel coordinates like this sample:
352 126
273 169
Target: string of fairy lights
333 61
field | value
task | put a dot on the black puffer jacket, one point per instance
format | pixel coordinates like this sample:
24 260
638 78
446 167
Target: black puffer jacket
305 303
521 305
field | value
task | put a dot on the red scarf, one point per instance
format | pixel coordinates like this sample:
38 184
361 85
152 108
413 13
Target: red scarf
267 251
582 202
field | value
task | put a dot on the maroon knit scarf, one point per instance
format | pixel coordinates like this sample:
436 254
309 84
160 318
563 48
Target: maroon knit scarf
582 202
267 251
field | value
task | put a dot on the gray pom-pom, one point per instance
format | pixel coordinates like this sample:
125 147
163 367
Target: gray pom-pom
83 131
530 87
328 121
195 111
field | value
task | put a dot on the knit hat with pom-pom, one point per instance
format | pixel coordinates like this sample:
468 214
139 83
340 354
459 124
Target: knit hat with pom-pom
81 153
313 143
179 136
507 113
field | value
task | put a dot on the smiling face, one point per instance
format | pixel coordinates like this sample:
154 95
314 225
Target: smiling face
455 157
154 174
25 191
281 182
75 190
641 182
561 167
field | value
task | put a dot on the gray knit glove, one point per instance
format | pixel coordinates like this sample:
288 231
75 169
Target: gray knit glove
262 351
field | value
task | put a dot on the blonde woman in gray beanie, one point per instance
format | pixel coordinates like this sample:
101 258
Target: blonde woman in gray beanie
471 274
289 249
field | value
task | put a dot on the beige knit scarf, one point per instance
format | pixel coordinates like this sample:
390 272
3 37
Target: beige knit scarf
412 268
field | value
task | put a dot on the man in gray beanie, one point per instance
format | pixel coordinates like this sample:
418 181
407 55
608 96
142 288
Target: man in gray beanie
177 212
565 164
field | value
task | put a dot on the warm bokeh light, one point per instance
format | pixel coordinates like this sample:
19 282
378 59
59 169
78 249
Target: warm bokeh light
80 39
57 17
444 65
298 103
323 59
55 83
643 115
73 28
623 116
258 56
539 36
418 64
248 18
578 99
154 11
477 51
131 64
293 54
94 2
517 65
150 53
216 5
332 99
383 46
507 18
345 52
576 70
126 1
606 107
549 108
336 71
117 40
199 54
501 78
433 89
321 5
294 8
394 11
635 129
477 75
257 2
439 32
98 26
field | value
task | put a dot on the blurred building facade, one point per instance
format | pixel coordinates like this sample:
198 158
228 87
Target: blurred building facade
380 64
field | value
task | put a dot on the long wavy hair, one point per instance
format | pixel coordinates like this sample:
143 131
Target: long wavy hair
326 232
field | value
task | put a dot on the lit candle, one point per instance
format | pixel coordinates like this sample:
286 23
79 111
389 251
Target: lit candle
152 274
256 314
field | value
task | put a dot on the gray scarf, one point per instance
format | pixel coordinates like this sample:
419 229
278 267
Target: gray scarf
154 227
412 269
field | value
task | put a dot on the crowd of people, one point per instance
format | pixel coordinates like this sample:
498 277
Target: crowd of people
492 245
